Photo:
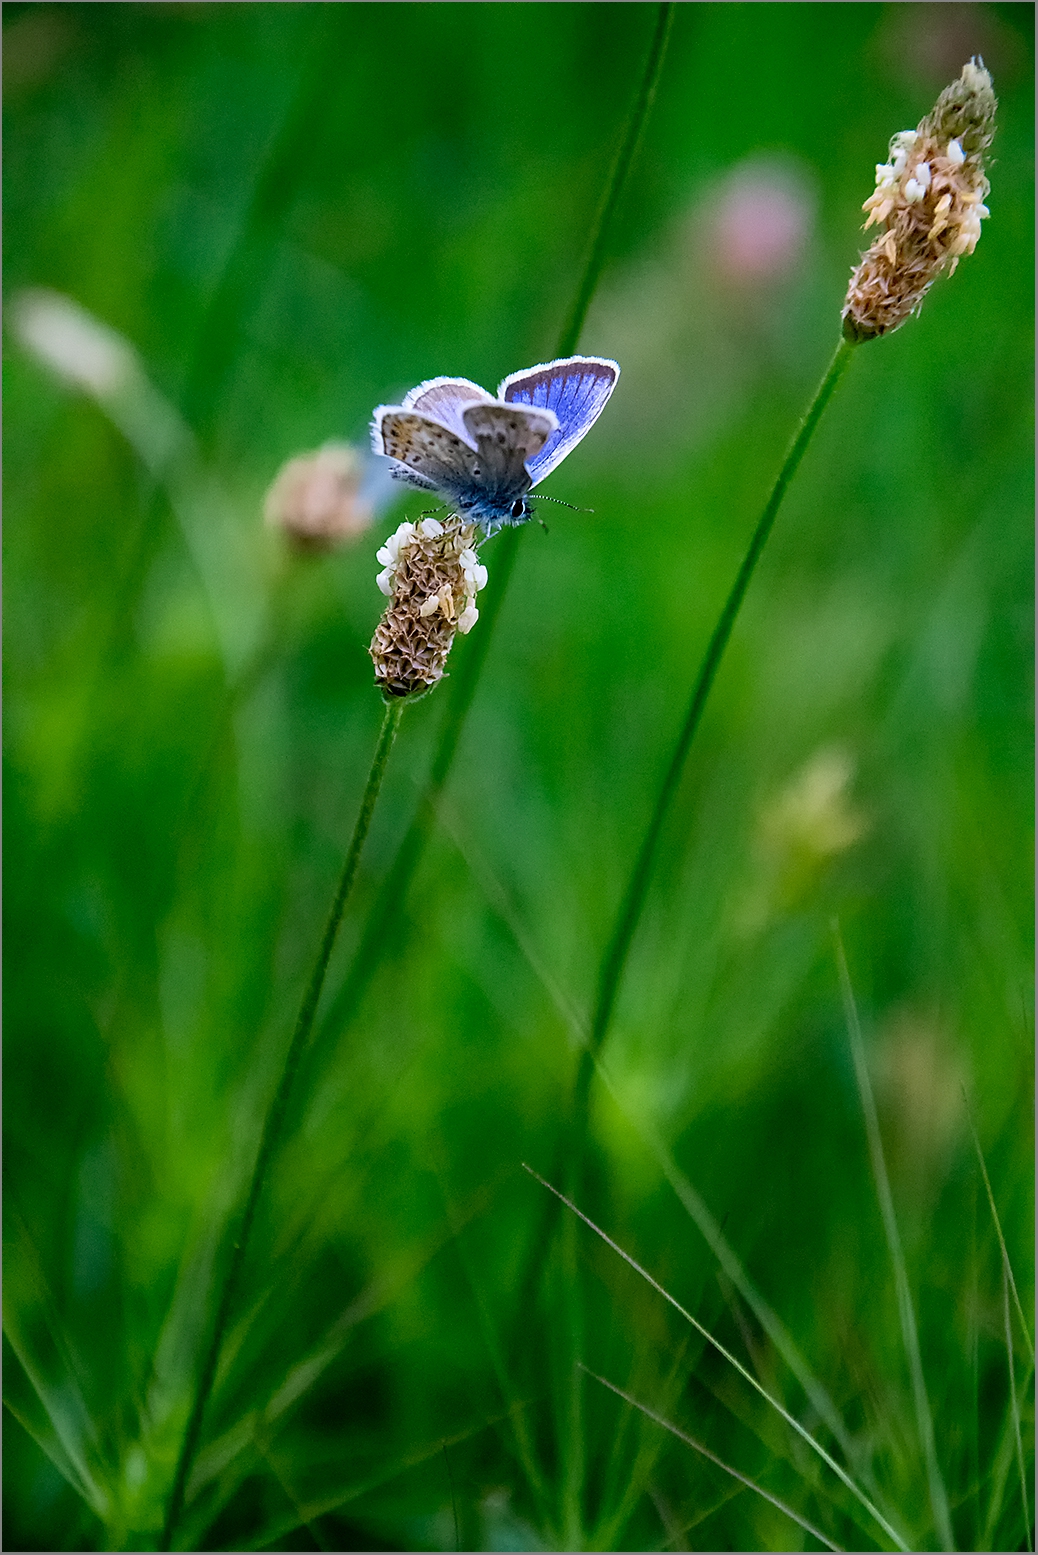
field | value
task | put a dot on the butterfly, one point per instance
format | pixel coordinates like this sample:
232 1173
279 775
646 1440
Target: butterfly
484 453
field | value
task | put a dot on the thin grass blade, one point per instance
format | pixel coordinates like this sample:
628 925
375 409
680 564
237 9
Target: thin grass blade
906 1309
68 1419
998 1231
999 1475
726 1354
312 1511
732 1266
690 1441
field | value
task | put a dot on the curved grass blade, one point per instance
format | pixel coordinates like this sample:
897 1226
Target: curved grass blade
275 185
732 1266
690 1441
729 1261
297 1380
53 1449
609 1528
1000 1471
906 1310
726 1354
615 959
692 1201
522 1437
998 1230
68 1420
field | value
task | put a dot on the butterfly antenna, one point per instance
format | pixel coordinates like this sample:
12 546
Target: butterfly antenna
541 498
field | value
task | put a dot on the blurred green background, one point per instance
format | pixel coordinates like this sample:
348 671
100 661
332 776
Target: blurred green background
293 212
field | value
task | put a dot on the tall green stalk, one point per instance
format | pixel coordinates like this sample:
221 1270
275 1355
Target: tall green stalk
274 1122
615 958
464 682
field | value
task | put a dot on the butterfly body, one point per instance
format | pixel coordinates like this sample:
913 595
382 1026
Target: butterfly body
483 453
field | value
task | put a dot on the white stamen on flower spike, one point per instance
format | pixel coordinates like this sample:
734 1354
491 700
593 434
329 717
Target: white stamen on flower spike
431 575
928 204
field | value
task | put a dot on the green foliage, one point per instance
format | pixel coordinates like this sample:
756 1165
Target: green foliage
294 212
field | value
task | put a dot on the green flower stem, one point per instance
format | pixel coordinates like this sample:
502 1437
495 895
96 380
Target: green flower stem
463 683
274 1122
615 959
377 931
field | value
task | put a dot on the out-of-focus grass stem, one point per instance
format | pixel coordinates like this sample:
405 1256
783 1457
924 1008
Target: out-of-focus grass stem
276 183
465 680
906 1309
275 1118
618 175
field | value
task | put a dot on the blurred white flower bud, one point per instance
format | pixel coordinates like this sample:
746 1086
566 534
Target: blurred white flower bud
72 343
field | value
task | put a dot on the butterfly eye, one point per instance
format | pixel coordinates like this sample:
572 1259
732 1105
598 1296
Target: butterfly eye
518 508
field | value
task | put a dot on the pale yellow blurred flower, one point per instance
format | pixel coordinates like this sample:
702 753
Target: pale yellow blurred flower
919 1076
800 830
812 817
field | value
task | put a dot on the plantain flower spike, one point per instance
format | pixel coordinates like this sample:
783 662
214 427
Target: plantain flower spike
928 204
432 575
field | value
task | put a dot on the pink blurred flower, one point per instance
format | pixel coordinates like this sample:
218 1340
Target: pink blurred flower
758 221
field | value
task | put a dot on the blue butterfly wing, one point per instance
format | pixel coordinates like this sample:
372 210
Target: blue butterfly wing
576 388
